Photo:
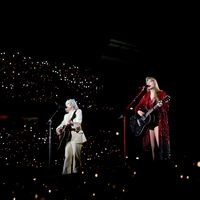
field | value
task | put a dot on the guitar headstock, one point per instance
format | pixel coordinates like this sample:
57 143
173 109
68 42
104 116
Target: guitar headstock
166 99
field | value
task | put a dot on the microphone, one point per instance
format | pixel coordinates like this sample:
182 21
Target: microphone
144 87
59 106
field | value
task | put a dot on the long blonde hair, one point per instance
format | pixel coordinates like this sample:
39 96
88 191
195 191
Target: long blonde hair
156 89
154 80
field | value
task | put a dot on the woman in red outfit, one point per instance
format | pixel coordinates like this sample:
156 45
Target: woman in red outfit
156 139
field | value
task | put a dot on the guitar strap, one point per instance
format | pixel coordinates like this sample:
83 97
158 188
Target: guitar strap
74 115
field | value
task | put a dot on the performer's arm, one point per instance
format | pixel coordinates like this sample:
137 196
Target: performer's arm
138 107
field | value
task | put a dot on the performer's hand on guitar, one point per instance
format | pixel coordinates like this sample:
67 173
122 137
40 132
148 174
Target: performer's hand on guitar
160 104
58 131
140 113
74 123
70 122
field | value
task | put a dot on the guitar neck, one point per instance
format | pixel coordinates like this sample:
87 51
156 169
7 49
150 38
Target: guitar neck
151 110
166 99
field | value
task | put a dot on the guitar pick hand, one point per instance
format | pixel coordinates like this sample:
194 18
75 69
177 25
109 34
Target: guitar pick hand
140 113
160 104
70 122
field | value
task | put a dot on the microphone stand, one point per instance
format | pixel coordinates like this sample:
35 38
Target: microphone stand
50 136
125 121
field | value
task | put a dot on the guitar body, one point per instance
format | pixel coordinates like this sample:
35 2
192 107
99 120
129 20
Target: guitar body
139 125
142 125
64 138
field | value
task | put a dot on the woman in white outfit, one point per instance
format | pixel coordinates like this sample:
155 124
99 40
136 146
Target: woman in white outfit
73 118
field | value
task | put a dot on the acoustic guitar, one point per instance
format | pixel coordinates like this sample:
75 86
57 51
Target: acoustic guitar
139 124
65 135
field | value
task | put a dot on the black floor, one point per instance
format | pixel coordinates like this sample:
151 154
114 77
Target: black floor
123 181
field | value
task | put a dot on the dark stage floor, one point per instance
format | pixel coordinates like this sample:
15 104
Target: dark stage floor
123 181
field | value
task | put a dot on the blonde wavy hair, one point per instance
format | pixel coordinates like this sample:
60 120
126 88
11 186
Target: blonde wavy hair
155 82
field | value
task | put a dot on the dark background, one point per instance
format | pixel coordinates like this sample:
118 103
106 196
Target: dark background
123 46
